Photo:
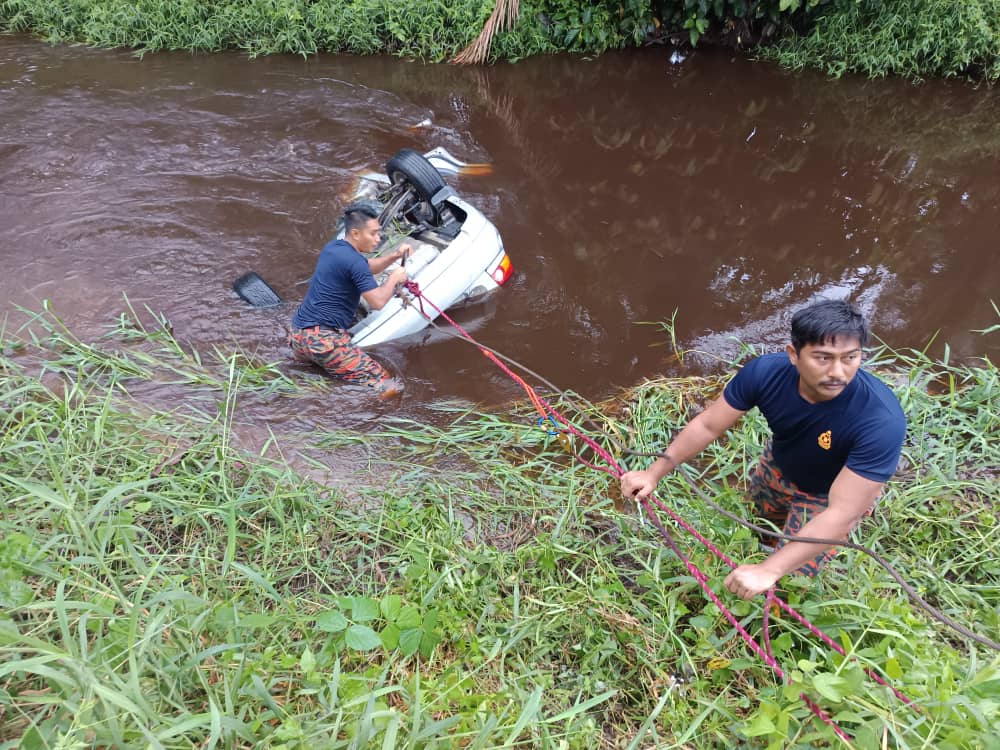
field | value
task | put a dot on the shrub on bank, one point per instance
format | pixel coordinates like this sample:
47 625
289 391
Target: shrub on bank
405 27
929 37
900 37
414 28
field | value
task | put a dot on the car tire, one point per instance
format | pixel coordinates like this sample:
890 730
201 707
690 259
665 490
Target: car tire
412 167
253 289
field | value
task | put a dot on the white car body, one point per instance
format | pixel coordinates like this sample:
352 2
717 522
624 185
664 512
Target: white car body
450 268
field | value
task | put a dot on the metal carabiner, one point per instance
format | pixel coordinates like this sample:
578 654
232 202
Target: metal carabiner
561 435
555 424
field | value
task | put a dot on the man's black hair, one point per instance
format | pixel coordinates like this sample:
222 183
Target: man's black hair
358 214
822 321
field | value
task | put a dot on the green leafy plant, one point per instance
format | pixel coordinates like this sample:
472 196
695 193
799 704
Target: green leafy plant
916 40
162 587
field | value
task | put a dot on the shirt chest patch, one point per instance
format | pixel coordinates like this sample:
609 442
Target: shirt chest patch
825 440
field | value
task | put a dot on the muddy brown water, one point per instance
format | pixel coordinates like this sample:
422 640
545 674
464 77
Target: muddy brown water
625 189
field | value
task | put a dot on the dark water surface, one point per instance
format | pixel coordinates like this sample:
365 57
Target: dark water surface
624 188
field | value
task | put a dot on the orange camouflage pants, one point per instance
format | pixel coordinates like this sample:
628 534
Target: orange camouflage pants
787 507
331 349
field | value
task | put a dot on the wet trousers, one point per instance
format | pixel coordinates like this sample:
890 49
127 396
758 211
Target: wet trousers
331 349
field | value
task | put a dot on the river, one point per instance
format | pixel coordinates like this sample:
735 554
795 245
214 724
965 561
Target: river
721 192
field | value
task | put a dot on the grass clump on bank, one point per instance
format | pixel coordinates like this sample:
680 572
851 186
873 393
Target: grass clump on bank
402 27
921 39
161 589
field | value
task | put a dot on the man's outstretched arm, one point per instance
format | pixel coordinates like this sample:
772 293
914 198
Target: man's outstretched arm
379 264
851 496
692 440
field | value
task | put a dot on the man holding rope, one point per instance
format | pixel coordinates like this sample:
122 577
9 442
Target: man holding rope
343 276
837 433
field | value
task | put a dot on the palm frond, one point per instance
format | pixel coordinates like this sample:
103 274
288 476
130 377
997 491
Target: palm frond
504 16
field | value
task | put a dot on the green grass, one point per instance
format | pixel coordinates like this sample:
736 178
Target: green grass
921 39
430 31
159 588
913 39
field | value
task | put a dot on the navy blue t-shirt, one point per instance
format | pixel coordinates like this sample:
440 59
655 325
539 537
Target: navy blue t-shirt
341 277
862 428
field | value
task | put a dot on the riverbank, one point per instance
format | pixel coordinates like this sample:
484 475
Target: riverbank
933 38
161 587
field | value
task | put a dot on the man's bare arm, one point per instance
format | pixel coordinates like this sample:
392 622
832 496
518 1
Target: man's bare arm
851 496
692 440
378 265
379 296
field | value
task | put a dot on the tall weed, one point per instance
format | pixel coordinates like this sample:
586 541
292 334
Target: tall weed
911 39
159 588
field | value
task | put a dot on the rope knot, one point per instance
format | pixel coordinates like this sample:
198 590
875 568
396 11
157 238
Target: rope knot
414 288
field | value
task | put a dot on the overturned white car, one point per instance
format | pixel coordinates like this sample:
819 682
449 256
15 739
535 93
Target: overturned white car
457 256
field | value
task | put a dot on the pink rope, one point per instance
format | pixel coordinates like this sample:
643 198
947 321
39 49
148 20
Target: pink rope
825 718
765 653
766 621
837 647
694 532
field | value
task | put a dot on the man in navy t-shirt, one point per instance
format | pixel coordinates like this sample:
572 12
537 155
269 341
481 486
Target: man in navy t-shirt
837 432
343 276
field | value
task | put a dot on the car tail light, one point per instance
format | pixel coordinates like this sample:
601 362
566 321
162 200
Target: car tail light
503 270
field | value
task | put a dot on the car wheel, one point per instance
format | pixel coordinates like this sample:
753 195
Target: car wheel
409 166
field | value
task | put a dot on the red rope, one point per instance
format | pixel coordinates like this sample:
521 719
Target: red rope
414 289
615 470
